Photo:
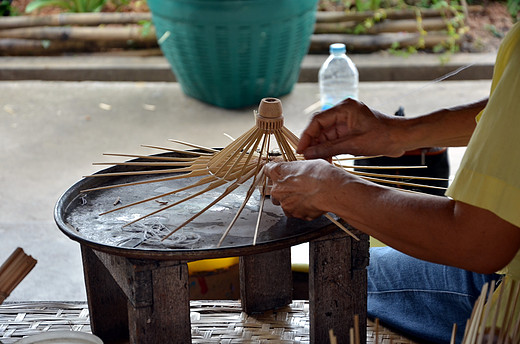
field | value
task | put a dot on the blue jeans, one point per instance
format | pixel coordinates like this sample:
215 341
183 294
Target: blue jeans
419 298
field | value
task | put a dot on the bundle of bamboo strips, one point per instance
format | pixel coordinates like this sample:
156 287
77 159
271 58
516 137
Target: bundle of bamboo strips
354 333
13 271
495 318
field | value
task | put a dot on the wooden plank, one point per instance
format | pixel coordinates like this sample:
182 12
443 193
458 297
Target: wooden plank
266 280
337 286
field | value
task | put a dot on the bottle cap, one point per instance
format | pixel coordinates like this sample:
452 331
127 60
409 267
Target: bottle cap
337 48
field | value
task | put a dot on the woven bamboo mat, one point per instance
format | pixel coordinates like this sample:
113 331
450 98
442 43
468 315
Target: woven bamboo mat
212 322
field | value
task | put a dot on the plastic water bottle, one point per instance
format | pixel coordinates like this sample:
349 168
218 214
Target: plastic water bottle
338 77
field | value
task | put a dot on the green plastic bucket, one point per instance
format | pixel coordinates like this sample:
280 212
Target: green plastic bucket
233 53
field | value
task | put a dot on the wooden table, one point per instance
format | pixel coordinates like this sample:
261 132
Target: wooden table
140 293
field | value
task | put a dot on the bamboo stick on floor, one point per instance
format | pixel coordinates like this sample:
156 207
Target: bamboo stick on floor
13 271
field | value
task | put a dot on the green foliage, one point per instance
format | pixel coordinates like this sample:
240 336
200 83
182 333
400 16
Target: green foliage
367 5
493 29
146 26
455 26
5 8
513 6
396 49
119 3
77 6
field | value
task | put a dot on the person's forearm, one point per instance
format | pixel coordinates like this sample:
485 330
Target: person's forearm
451 127
428 227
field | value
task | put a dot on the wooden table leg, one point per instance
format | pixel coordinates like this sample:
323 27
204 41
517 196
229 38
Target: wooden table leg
337 286
155 294
167 318
106 301
265 281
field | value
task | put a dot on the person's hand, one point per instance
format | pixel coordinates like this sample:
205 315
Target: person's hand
350 127
303 188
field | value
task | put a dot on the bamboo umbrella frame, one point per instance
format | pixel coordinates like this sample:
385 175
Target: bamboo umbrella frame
242 160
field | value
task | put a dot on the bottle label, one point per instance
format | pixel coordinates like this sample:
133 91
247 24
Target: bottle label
328 105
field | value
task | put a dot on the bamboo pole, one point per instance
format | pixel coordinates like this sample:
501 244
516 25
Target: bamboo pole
30 47
51 40
338 16
100 34
371 43
87 19
402 25
13 271
94 19
408 25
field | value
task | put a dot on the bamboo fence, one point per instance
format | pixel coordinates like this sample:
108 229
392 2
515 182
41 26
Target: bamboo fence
93 32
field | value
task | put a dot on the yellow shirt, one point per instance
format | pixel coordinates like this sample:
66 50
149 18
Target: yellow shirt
489 174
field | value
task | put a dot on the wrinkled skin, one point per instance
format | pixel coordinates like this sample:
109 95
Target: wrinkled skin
299 186
350 127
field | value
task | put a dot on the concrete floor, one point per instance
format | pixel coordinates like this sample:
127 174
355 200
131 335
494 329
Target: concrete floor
51 132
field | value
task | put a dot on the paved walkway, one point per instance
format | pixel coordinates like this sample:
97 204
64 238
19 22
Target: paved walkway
372 67
51 132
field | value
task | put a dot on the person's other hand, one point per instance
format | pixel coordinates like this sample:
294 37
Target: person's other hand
350 127
302 188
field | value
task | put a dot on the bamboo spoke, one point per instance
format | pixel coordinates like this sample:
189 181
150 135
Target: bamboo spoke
200 182
228 190
359 157
210 150
398 183
177 150
137 173
382 167
252 141
215 184
257 177
144 163
343 228
260 155
194 173
293 139
397 176
209 188
246 199
151 157
263 193
233 148
284 147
